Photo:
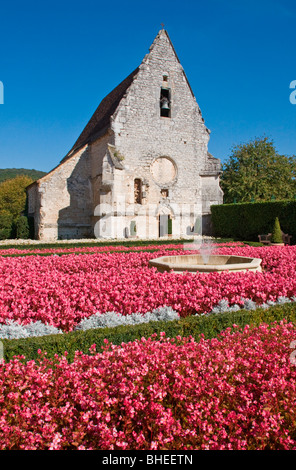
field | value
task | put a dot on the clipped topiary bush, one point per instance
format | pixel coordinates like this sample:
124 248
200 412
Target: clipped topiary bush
276 235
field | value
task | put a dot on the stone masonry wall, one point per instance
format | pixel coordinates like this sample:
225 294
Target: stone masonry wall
63 203
142 135
92 193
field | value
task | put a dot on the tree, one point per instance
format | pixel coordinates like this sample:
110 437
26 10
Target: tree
13 195
12 205
6 225
10 173
256 172
22 227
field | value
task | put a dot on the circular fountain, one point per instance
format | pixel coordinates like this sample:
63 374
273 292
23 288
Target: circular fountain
205 261
206 264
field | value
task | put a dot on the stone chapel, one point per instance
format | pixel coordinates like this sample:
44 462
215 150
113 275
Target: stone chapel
141 166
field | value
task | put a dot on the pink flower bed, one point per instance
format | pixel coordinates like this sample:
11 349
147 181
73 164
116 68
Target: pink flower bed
234 392
61 290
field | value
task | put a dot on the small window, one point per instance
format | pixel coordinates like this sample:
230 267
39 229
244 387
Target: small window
165 78
165 102
138 191
165 193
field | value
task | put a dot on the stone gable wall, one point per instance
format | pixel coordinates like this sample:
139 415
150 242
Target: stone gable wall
142 136
92 193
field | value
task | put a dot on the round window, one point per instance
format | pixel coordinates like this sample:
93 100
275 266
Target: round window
163 171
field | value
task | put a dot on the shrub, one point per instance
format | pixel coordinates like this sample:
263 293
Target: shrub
12 329
22 227
112 319
208 325
276 235
245 221
6 225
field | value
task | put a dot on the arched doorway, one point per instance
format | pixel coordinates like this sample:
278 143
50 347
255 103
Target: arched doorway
165 221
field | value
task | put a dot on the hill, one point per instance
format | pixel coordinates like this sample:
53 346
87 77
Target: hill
9 173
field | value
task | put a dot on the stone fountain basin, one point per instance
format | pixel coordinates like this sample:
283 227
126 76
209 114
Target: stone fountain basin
214 263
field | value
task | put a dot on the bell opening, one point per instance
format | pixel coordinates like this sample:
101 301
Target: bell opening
165 105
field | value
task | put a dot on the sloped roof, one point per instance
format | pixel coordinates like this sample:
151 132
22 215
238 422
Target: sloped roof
100 120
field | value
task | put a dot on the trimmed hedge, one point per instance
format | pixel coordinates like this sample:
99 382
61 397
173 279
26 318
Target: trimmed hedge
126 243
210 326
245 221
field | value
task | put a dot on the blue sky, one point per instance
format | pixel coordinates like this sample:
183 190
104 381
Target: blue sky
59 59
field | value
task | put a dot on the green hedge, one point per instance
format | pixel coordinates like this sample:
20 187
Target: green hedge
98 242
210 326
245 221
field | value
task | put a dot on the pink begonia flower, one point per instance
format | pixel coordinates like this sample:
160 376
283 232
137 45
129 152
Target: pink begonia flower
62 290
235 392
